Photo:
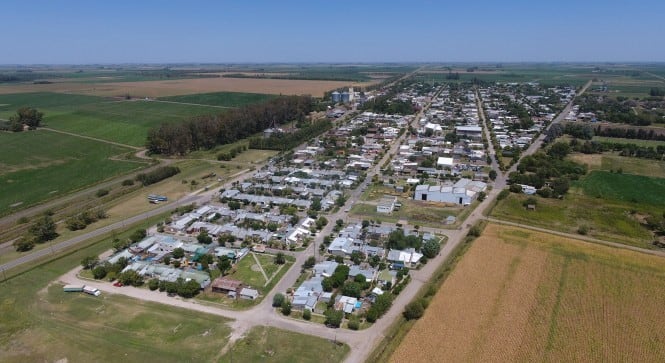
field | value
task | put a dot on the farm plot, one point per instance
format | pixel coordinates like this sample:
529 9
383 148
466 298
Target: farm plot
154 89
525 296
627 165
223 99
40 165
624 187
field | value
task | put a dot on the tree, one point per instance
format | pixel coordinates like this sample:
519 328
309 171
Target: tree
286 307
278 300
153 284
27 116
334 318
414 310
204 237
361 279
339 223
310 262
280 259
352 289
89 262
431 248
559 150
354 323
481 196
560 186
178 253
306 314
224 264
321 222
99 272
492 174
138 235
365 223
515 188
326 284
339 276
24 243
316 204
130 277
44 229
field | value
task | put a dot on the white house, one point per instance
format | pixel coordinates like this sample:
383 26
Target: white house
386 205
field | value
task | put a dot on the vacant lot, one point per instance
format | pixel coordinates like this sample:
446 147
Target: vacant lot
222 99
524 296
40 165
44 324
155 89
609 220
264 344
624 187
414 212
628 165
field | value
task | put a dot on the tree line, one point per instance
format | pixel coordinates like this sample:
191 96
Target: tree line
206 132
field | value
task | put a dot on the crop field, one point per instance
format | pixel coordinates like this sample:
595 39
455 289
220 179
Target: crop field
221 99
523 296
628 165
163 88
122 121
40 165
609 220
624 187
652 143
263 344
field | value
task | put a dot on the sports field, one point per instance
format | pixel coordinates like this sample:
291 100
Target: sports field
40 165
523 296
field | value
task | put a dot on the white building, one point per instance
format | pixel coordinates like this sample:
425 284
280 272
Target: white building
463 192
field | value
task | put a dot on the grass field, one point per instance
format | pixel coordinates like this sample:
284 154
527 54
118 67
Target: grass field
38 322
628 165
524 296
223 99
606 219
652 143
264 344
624 187
40 165
414 212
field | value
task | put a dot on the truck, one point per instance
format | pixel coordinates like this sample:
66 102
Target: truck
91 290
73 288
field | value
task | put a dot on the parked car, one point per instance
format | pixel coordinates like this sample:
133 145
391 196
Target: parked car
117 284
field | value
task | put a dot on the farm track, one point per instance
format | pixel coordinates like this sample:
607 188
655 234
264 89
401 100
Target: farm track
191 104
91 138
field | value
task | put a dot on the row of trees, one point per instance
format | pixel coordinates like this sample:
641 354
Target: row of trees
83 219
631 150
285 141
25 116
157 175
205 132
42 230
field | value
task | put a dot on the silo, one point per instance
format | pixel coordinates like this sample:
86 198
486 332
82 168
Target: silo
345 97
336 97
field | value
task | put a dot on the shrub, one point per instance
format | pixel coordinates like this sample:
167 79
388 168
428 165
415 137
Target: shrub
286 308
307 315
153 284
127 182
583 230
354 323
414 310
101 192
278 300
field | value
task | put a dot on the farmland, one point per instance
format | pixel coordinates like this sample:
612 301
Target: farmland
627 165
40 165
221 99
623 187
163 88
526 296
263 344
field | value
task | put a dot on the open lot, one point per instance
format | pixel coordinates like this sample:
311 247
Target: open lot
40 165
39 322
428 214
263 344
154 89
519 295
628 165
605 219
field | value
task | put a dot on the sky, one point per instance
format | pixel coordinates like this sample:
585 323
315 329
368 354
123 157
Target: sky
150 31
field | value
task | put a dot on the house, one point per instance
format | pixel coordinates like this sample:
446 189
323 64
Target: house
408 257
340 246
463 192
444 162
472 132
325 268
248 294
226 285
386 205
346 304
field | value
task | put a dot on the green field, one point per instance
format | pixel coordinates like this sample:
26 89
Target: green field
605 219
39 322
40 165
624 187
617 140
123 121
264 344
222 99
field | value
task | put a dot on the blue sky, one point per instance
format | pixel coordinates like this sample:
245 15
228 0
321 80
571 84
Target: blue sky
78 32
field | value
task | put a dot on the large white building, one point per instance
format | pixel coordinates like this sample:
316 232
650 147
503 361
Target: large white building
463 192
